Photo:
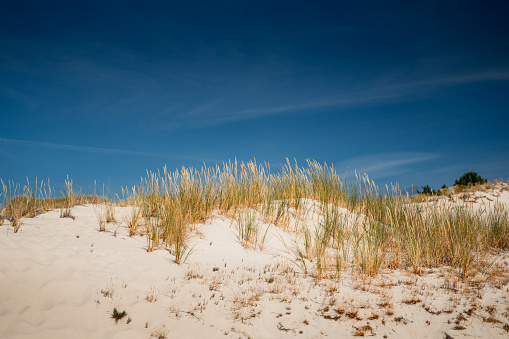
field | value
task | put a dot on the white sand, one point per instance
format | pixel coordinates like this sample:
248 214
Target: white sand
61 278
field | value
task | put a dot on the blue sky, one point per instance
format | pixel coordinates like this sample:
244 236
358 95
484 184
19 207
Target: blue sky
409 92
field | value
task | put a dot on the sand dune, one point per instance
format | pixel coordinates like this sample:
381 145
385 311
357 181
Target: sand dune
62 278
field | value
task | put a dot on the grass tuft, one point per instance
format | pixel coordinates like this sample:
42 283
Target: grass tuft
118 315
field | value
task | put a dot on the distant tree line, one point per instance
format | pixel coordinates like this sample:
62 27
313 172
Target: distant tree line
469 178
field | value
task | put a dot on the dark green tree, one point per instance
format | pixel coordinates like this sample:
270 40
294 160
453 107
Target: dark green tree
426 190
470 177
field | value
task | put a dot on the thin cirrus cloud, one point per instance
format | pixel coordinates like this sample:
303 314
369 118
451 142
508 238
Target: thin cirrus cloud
102 150
385 164
403 90
463 79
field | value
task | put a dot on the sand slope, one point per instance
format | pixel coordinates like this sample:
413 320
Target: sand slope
61 278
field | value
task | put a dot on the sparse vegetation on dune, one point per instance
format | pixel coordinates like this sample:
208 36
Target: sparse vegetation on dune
360 225
19 202
468 182
345 256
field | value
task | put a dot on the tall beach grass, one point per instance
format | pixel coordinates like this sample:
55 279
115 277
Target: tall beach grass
361 226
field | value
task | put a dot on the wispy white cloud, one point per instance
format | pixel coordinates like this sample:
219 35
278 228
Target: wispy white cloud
182 95
341 100
458 79
385 164
378 92
103 150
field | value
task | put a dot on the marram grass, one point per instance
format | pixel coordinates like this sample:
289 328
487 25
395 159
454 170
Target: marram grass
361 226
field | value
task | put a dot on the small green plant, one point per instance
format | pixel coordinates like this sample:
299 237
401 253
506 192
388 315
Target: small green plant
308 242
153 233
248 227
110 212
470 178
174 228
300 258
321 241
118 315
261 237
16 223
16 208
181 250
68 193
133 219
16 211
100 213
282 218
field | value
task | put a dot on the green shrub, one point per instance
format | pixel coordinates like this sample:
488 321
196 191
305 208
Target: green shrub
118 315
470 177
426 190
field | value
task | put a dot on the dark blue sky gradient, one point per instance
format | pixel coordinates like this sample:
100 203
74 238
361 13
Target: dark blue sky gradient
415 93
